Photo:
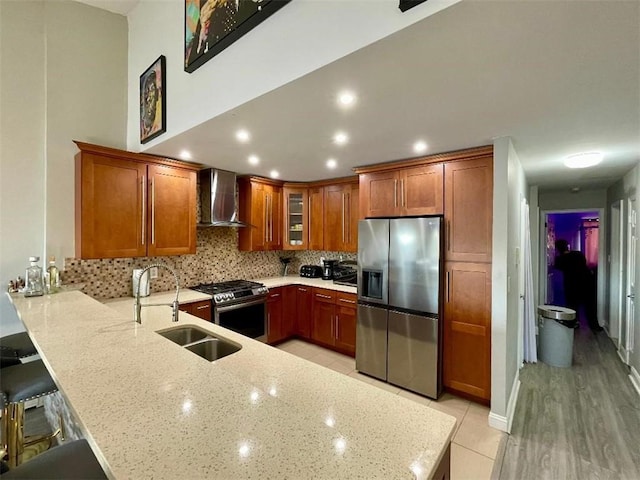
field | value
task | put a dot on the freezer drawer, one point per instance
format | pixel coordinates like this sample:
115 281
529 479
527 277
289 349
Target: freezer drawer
413 353
371 341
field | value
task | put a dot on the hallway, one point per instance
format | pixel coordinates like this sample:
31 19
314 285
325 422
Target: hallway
576 423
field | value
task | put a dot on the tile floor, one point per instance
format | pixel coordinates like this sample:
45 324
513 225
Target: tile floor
475 444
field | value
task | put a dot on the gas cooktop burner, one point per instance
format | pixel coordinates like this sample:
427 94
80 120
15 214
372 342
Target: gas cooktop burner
224 292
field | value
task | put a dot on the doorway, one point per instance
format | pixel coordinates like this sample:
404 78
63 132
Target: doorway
582 229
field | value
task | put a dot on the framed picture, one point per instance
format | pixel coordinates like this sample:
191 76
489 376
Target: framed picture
407 4
153 100
210 26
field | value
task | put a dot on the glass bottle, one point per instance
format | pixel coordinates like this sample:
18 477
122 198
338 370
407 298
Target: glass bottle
33 277
54 276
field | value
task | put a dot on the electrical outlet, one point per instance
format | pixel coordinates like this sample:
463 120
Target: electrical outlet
153 272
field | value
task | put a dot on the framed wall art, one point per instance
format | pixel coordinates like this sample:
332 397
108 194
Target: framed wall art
153 100
407 4
210 26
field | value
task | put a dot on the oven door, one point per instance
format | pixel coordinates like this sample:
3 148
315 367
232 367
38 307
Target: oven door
248 318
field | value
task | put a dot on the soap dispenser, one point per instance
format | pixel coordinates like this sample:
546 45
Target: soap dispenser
34 287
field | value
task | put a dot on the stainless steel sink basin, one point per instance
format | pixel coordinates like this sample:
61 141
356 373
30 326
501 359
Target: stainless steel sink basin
207 345
213 348
184 335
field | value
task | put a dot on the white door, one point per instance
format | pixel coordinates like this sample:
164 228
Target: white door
616 272
626 338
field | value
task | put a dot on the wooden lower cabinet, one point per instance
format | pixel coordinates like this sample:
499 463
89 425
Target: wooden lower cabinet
275 307
202 309
467 329
334 320
346 315
304 305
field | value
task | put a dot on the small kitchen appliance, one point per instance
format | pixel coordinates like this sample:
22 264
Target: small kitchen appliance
327 269
144 282
346 273
311 271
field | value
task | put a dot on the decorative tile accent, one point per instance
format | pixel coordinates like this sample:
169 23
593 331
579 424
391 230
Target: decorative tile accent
55 409
217 259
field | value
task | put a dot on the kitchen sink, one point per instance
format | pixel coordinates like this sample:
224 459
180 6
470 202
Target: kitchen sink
213 348
204 344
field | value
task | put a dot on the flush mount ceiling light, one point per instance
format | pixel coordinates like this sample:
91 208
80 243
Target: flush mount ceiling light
254 160
331 163
340 138
274 174
242 135
346 99
583 160
420 146
185 155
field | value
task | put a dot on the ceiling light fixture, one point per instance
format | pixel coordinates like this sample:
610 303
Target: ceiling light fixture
331 163
274 174
583 160
419 146
346 99
340 138
242 135
254 159
185 155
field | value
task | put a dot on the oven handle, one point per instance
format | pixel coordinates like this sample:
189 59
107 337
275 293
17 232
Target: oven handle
236 306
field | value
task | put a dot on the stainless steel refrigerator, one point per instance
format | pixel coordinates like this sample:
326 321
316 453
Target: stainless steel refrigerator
398 336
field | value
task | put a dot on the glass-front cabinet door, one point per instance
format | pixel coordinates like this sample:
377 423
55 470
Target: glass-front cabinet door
296 218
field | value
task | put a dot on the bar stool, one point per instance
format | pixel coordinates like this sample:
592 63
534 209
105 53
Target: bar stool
18 343
70 461
19 384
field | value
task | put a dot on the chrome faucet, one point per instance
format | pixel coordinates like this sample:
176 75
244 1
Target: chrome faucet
137 306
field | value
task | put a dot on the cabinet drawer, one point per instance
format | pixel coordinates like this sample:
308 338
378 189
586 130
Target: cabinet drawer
324 295
344 299
201 309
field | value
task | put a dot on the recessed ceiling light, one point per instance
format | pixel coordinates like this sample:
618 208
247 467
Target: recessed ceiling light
419 146
583 160
346 98
254 160
340 138
242 135
331 163
185 155
274 174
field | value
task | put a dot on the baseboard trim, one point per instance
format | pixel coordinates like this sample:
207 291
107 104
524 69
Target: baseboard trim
504 422
634 376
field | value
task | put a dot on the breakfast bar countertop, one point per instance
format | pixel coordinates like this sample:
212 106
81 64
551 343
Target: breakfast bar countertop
152 409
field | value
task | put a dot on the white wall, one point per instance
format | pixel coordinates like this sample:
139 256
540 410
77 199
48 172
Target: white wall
64 80
301 37
507 171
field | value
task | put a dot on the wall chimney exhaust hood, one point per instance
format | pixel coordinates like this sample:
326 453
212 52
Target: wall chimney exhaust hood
218 199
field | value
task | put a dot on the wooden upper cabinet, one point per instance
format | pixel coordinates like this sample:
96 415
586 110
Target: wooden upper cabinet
468 210
403 192
421 190
171 211
120 214
467 329
341 217
295 218
316 218
379 194
260 203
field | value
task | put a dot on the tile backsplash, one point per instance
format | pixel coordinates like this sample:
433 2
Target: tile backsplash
217 259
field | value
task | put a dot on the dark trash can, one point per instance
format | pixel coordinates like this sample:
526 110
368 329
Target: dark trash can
555 334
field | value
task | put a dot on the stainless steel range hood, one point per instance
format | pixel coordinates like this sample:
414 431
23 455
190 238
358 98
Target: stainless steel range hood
218 199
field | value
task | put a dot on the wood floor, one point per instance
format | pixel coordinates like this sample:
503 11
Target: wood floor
581 422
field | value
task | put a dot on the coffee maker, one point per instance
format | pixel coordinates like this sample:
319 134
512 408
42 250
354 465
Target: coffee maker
327 269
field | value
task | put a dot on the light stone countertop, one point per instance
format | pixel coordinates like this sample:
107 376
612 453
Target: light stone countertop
272 282
152 409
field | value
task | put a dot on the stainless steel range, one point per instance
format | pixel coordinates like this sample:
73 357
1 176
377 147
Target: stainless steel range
239 305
